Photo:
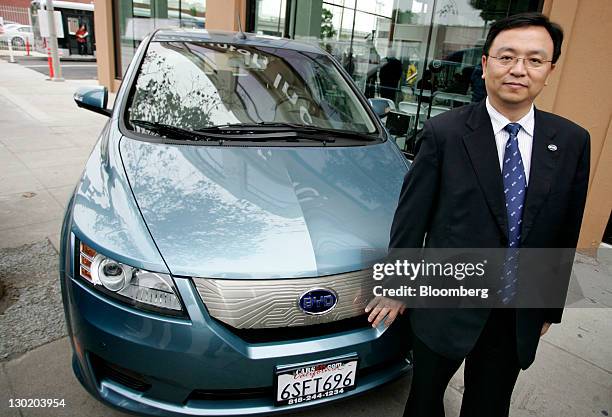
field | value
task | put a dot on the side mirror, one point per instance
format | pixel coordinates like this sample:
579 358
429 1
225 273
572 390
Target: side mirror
380 106
93 98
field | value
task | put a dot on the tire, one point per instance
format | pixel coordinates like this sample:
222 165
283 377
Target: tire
18 43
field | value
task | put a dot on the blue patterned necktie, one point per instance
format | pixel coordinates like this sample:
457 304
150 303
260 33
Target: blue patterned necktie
515 186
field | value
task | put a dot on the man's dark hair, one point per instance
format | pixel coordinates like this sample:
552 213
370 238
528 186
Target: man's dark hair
527 19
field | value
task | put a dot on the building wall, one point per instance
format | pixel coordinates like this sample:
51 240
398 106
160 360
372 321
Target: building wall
223 14
579 89
105 57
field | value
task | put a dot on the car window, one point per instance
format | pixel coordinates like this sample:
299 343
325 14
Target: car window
197 85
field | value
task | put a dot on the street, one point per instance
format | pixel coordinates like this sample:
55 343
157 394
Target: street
44 143
71 70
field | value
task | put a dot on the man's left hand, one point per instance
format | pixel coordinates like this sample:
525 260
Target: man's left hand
381 307
545 328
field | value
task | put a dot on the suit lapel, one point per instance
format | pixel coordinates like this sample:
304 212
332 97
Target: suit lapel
480 145
543 163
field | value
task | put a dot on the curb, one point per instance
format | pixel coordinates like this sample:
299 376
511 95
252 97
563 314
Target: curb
44 58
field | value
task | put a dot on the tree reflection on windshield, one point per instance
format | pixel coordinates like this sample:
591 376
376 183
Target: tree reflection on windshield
194 85
160 98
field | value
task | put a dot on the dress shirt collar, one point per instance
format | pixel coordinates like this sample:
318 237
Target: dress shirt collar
499 121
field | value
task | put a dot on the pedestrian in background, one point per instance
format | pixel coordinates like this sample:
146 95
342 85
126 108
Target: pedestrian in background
389 76
81 38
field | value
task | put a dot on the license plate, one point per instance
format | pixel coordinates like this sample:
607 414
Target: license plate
319 380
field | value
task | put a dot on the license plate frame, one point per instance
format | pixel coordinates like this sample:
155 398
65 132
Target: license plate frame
340 365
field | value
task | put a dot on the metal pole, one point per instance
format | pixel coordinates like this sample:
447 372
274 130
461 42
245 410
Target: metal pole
10 47
57 70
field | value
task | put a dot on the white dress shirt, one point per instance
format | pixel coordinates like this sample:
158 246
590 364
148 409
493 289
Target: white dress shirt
525 136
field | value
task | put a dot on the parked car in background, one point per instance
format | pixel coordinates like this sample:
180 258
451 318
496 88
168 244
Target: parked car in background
216 253
6 23
17 34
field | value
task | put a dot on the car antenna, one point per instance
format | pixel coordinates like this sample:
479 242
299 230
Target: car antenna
240 34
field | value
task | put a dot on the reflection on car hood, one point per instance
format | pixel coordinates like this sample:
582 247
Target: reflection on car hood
262 212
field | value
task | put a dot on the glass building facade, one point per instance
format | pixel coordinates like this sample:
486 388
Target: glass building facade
134 19
422 57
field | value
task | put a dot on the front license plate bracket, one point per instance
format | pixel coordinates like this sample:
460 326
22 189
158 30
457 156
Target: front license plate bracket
315 380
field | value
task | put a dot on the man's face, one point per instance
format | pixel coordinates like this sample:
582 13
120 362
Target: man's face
517 85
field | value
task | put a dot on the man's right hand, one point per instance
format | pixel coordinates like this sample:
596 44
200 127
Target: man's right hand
380 307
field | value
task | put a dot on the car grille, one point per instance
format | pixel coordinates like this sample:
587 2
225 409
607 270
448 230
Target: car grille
273 303
230 394
281 334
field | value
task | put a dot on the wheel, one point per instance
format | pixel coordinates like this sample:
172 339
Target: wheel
18 43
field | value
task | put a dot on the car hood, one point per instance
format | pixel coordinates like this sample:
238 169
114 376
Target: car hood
265 212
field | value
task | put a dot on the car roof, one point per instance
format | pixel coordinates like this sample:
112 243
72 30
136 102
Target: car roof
219 36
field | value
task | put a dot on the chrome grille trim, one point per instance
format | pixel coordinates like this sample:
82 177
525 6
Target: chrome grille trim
272 303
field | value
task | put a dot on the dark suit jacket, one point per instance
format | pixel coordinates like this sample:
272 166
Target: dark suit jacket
452 197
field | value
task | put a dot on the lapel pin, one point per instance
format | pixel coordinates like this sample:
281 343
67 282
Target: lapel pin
552 147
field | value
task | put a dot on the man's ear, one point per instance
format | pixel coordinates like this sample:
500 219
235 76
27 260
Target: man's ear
483 63
552 67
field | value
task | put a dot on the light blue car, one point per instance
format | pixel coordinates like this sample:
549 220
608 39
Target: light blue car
216 252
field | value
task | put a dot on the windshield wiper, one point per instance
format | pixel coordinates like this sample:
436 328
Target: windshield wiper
222 133
171 132
299 128
261 126
347 134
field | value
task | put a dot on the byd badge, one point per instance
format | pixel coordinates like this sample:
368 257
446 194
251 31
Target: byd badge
318 301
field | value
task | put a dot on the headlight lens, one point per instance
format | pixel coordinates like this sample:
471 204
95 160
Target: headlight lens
143 289
113 275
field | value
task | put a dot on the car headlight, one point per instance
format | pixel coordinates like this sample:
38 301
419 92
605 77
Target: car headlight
142 289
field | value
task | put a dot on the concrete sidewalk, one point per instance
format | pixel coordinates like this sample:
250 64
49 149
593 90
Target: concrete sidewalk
44 142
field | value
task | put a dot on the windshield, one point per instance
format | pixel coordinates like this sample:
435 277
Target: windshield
200 85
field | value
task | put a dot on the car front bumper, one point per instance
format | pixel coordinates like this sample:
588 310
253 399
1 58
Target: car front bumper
156 365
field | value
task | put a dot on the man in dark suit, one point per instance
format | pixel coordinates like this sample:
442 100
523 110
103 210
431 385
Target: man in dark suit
494 174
